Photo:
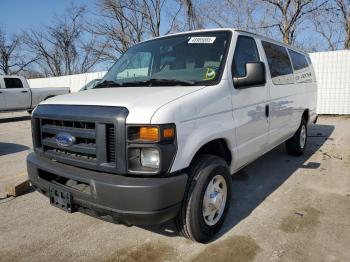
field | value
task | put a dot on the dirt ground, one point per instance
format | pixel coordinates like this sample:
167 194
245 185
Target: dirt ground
283 209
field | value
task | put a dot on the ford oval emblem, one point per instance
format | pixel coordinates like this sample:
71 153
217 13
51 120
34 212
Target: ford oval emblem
64 139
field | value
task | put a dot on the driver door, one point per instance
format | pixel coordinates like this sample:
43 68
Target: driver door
250 105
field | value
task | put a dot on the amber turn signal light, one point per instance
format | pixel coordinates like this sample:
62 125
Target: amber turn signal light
168 133
149 133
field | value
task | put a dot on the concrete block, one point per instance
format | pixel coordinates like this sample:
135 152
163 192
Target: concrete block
18 188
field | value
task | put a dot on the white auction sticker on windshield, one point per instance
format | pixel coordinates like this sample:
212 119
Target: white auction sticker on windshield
201 40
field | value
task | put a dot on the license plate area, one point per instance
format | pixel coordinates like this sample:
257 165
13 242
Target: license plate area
61 199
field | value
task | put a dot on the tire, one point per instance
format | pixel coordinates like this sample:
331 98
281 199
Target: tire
191 222
296 145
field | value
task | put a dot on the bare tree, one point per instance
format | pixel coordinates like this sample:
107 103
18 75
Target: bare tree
151 10
247 15
193 18
13 59
64 47
119 24
344 10
334 25
290 14
64 36
123 23
49 59
326 26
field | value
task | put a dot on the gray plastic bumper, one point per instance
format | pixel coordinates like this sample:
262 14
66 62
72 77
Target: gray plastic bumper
130 200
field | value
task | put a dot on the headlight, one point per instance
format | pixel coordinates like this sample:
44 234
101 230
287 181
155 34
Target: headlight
150 157
150 148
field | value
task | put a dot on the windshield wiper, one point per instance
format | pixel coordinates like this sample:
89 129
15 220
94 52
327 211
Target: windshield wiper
159 81
108 83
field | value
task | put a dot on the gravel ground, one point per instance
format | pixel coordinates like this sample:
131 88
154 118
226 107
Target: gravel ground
284 209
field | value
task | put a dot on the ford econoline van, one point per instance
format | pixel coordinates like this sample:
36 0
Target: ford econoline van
161 134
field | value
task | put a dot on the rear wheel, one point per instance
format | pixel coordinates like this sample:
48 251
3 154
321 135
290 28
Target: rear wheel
206 200
296 145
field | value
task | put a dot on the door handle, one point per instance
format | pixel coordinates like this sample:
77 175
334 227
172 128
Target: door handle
24 91
267 110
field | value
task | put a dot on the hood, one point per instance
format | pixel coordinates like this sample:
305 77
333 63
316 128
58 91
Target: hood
142 102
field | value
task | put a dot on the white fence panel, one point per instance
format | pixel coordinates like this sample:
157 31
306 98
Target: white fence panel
333 81
75 82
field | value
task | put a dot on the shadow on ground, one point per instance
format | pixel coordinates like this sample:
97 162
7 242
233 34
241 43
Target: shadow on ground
15 119
253 184
11 148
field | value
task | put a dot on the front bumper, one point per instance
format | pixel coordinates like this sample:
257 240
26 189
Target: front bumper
129 200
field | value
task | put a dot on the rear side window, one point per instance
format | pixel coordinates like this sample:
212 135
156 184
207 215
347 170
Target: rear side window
280 66
13 82
246 51
298 60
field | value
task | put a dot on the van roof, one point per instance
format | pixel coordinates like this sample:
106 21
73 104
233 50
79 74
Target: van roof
233 30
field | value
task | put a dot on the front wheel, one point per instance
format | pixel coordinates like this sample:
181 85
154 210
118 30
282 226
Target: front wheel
296 144
206 200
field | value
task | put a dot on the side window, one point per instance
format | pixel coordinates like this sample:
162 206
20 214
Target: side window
245 52
302 72
280 66
13 82
298 60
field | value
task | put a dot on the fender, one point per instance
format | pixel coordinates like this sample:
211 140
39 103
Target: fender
200 117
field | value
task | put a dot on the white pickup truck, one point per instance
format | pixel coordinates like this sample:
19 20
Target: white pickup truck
15 94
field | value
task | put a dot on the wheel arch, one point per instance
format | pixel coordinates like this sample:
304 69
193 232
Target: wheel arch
306 115
217 147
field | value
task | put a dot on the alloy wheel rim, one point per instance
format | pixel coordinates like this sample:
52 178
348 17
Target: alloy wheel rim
214 200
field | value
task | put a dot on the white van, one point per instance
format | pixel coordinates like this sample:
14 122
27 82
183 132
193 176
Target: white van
159 137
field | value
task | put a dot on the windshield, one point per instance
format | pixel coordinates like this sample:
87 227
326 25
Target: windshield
188 59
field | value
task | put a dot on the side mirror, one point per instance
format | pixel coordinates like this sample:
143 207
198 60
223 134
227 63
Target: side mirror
255 76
